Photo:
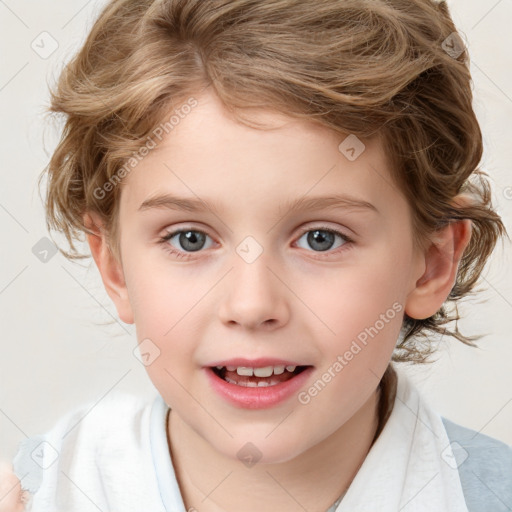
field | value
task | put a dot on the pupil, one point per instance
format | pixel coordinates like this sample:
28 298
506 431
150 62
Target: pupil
319 237
189 238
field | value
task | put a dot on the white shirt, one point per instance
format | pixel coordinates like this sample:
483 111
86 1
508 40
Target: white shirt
115 457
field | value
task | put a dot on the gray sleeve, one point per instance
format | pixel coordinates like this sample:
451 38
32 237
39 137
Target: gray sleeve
485 468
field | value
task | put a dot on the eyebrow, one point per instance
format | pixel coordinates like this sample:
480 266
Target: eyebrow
190 204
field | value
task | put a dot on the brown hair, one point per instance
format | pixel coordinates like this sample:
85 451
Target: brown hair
355 66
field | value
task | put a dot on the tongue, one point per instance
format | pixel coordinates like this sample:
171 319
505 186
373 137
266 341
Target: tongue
286 375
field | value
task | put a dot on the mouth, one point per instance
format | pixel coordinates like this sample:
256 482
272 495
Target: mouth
253 377
257 383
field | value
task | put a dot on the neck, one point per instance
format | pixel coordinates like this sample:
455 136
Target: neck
220 483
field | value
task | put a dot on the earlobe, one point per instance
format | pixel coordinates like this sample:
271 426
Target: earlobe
442 262
110 269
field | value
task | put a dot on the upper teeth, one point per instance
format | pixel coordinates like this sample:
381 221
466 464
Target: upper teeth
266 371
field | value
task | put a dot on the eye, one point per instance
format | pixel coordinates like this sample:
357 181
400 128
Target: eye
190 240
322 238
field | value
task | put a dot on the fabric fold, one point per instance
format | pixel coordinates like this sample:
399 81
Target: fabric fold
410 466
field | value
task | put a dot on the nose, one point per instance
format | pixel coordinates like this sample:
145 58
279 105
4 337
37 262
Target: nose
253 297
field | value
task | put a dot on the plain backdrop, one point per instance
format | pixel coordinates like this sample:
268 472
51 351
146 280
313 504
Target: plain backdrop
61 341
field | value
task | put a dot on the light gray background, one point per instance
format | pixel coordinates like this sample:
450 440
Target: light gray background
55 353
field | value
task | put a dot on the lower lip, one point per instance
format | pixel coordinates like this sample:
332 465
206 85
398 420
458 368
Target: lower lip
257 398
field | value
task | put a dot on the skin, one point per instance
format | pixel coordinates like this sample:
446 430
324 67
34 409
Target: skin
294 301
11 495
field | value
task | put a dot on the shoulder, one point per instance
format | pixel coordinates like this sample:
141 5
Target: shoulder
113 416
485 468
92 442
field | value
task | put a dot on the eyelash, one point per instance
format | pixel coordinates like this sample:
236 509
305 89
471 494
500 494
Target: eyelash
184 255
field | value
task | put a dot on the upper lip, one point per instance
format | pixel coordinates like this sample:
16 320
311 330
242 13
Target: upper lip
255 363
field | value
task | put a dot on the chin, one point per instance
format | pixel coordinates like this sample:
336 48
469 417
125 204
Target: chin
252 450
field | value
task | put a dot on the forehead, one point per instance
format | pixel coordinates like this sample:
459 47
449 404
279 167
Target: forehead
211 157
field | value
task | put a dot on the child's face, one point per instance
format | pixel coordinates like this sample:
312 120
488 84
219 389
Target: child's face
293 302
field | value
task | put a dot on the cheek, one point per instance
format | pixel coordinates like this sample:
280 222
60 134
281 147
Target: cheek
354 297
166 310
161 293
166 313
358 314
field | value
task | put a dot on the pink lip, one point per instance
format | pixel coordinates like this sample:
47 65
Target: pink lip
256 398
255 363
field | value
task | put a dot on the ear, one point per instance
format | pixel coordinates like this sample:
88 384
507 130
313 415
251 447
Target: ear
110 269
441 262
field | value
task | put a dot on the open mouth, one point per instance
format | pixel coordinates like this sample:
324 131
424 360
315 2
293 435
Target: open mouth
257 377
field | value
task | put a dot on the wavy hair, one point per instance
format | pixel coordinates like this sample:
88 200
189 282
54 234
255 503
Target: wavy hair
364 67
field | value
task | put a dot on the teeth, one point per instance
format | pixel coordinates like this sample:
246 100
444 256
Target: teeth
278 370
267 371
260 384
243 370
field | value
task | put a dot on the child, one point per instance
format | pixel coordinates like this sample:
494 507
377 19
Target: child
323 155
